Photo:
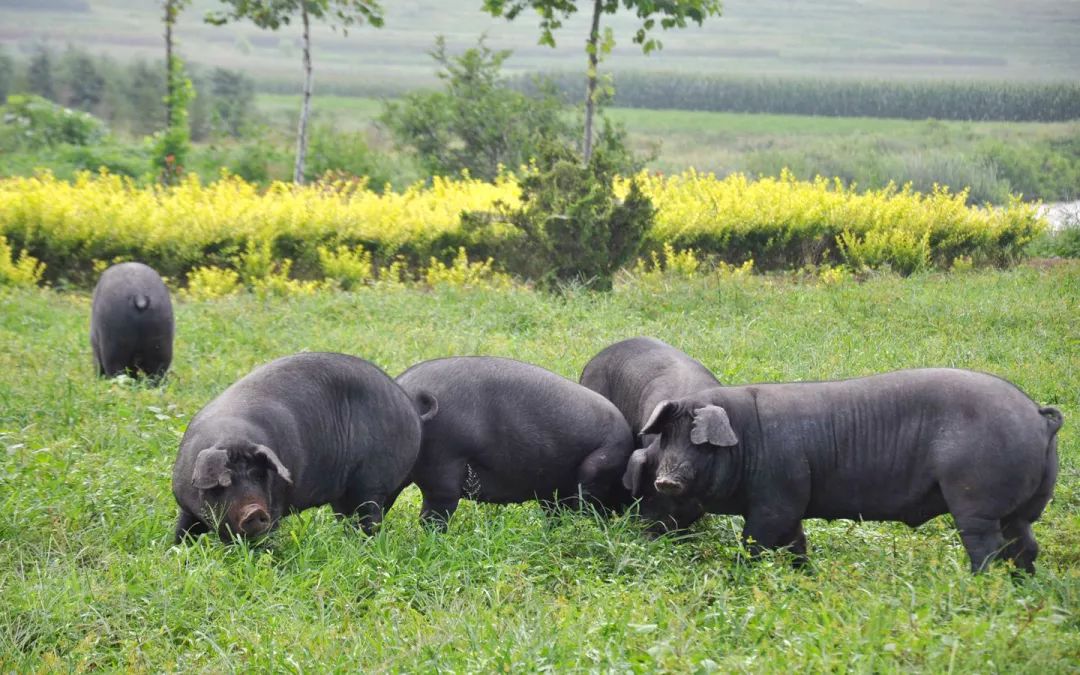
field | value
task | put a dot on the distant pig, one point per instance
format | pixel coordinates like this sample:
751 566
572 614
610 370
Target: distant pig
637 374
131 322
298 432
503 431
904 446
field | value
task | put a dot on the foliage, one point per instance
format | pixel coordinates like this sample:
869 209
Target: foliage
89 580
335 155
779 222
33 123
346 267
232 96
25 270
209 283
670 263
39 73
172 146
785 222
7 74
83 85
274 14
835 97
1048 169
668 14
464 274
571 224
476 123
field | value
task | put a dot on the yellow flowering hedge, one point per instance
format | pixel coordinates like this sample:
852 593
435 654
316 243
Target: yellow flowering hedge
777 222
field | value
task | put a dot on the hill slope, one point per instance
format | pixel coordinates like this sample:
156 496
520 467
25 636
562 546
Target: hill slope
1000 39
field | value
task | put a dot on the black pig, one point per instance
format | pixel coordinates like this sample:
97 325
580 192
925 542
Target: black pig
903 446
635 375
131 322
298 432
502 431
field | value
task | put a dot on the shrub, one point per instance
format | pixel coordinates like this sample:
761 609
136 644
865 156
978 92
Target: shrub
209 283
780 223
24 271
476 123
347 267
462 273
339 155
571 225
31 122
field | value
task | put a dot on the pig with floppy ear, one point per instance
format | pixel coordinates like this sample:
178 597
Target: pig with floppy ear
710 427
237 483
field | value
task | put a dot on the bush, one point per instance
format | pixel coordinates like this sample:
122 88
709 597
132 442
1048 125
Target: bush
335 155
347 267
571 225
32 122
24 271
477 123
464 274
573 222
209 283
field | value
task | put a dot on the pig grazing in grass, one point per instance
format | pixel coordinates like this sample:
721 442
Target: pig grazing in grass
131 322
298 432
904 446
637 374
502 431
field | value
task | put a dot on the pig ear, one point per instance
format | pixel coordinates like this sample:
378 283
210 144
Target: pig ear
659 413
270 456
631 480
712 426
211 469
427 405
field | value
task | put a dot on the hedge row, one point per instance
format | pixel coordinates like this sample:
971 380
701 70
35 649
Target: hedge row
778 222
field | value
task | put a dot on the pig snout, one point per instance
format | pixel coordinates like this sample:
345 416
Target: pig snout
253 520
669 485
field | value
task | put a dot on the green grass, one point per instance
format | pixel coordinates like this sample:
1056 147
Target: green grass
88 578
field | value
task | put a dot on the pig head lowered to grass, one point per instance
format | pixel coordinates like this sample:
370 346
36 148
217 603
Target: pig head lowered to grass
903 446
131 322
298 432
637 374
502 431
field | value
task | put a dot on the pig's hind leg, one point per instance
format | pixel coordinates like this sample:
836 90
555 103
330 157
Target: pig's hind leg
600 476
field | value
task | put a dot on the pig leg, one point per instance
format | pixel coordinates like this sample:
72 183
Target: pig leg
767 529
188 525
601 470
441 488
982 538
1022 548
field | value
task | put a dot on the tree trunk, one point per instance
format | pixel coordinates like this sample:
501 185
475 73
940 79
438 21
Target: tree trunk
170 17
305 107
590 80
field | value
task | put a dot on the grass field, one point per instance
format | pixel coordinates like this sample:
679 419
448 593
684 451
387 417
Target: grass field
88 579
871 151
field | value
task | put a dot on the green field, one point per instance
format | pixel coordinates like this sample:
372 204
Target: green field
983 39
88 579
869 150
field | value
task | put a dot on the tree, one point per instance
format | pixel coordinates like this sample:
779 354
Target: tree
84 86
273 14
39 74
172 10
7 75
232 99
476 122
668 13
